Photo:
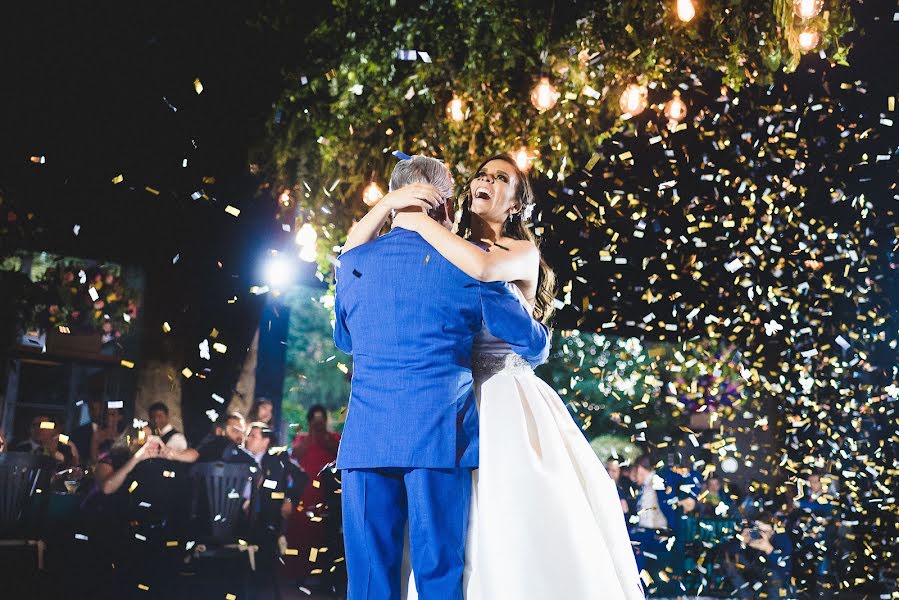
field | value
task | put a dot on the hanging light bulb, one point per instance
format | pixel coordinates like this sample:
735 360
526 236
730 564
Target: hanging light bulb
455 109
675 109
633 100
808 39
685 10
544 95
306 235
806 9
522 159
372 194
285 198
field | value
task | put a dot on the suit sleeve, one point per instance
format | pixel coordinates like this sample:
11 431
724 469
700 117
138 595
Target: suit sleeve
296 482
506 318
342 337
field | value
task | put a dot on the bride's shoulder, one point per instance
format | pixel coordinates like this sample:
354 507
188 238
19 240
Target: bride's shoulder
522 246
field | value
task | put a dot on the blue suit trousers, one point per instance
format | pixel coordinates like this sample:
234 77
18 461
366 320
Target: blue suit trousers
376 506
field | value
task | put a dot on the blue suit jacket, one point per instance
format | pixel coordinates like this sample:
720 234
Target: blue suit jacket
408 317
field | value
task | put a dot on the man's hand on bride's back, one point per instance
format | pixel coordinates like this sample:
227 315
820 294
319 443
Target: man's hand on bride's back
416 195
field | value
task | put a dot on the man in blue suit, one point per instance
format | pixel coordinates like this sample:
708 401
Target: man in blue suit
409 317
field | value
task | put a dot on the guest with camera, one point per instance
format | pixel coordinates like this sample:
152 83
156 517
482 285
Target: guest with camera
759 561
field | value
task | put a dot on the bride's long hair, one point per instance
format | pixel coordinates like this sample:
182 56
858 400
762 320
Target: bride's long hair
516 227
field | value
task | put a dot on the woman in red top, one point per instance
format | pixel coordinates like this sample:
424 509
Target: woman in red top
313 450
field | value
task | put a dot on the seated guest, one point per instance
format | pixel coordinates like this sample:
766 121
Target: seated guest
263 411
130 449
45 440
159 421
134 509
111 427
224 444
83 435
759 562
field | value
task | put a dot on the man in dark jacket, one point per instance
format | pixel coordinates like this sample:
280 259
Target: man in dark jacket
279 486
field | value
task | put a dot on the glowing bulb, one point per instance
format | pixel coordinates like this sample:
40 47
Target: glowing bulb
685 10
285 198
372 194
307 253
456 109
807 9
522 158
808 39
676 109
633 100
306 236
544 95
278 271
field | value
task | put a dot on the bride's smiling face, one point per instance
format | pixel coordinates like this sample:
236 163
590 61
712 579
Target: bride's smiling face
493 192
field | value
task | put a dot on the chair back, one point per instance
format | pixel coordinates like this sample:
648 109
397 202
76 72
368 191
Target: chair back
20 477
217 495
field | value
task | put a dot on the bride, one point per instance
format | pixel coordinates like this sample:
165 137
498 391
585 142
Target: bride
545 519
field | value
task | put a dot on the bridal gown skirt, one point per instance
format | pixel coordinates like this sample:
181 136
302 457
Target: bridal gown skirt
546 521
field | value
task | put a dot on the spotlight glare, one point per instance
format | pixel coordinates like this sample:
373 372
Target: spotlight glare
278 271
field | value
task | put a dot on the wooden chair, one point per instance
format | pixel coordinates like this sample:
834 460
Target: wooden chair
23 477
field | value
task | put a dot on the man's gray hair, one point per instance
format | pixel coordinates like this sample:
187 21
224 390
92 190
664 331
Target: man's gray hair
422 169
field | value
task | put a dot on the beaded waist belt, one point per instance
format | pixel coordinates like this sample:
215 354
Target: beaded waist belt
487 365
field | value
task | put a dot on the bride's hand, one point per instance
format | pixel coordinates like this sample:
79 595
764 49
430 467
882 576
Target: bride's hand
421 195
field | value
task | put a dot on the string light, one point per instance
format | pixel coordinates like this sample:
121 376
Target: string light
685 10
523 158
675 109
372 194
285 198
455 109
544 95
806 9
633 100
808 39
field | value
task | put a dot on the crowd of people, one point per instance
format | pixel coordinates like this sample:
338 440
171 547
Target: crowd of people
107 466
770 541
766 541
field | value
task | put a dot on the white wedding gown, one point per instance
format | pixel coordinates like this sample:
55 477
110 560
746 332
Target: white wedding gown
546 521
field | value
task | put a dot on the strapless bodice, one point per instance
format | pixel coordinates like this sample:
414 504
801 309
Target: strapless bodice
491 355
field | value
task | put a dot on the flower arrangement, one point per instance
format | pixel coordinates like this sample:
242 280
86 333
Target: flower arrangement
708 378
80 297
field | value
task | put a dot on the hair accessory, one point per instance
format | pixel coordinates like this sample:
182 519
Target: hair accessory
527 212
401 155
